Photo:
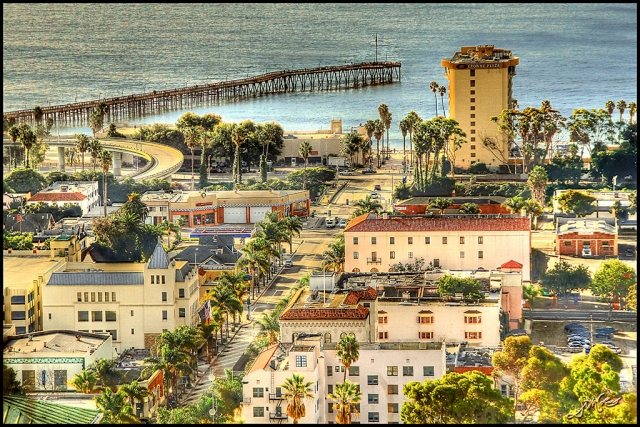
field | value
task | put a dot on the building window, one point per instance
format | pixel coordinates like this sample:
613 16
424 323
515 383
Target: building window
28 378
425 335
605 243
355 240
383 335
182 312
106 297
373 240
462 240
472 83
99 296
480 240
110 316
392 389
374 256
330 388
461 254
86 297
327 337
164 315
133 331
586 243
96 316
473 154
329 372
356 255
330 407
258 411
473 319
83 316
392 371
473 335
339 368
473 147
60 379
93 297
79 296
473 116
373 398
49 316
301 361
392 255
472 73
372 380
427 371
383 319
354 371
473 123
113 297
131 313
164 297
392 240
444 240
425 319
436 262
480 254
373 417
410 255
181 293
473 100
407 371
157 279
114 334
393 408
473 139
427 240
472 108
410 240
258 392
153 279
163 276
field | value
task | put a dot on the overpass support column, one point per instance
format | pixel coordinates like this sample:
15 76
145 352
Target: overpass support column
117 163
61 159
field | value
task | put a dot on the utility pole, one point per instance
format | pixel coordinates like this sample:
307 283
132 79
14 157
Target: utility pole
376 47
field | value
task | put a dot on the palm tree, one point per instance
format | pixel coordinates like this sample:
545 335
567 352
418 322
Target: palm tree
413 119
347 396
442 90
14 134
192 137
169 227
82 145
621 106
107 373
291 225
385 116
37 114
334 256
135 205
348 352
85 382
470 209
295 390
514 204
106 160
208 332
610 106
367 205
253 257
533 209
96 119
632 111
269 324
95 148
404 128
434 88
224 299
27 138
378 133
537 182
114 408
135 392
440 203
304 151
370 127
239 135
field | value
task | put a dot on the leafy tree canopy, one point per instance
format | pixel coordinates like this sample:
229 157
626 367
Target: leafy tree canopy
450 285
25 180
563 278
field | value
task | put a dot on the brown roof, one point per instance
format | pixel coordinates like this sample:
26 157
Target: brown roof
263 358
358 312
366 223
56 197
354 297
511 264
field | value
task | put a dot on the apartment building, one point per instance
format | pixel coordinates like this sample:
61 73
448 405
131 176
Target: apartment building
480 86
323 143
452 242
381 372
135 302
80 193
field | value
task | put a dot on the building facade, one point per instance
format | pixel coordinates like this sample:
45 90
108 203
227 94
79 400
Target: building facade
135 302
599 235
80 193
451 242
480 86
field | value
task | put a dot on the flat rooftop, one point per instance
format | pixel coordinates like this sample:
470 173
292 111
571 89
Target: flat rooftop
21 271
53 343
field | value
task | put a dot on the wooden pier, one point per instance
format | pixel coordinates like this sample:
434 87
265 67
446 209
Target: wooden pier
124 108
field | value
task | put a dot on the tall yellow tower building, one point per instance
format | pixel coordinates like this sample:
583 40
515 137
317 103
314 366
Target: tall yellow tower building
480 86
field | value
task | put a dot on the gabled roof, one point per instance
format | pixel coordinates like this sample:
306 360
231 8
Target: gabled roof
31 222
21 410
511 264
97 278
159 258
263 358
371 223
354 297
56 197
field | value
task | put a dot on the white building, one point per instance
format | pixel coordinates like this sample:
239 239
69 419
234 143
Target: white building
80 193
452 242
135 302
48 360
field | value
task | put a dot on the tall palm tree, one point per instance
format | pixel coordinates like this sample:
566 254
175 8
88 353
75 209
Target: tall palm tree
346 396
632 111
292 225
82 145
534 210
367 205
253 256
434 88
413 119
404 128
85 382
370 127
14 135
442 90
225 299
348 352
135 392
114 408
269 324
135 205
304 151
27 138
239 135
621 106
107 373
96 119
192 137
37 114
514 204
537 182
169 227
610 106
106 160
378 133
95 148
385 116
208 332
334 257
295 391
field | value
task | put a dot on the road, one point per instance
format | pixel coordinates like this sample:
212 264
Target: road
571 314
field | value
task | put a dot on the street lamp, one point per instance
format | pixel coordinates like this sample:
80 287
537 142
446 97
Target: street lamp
212 412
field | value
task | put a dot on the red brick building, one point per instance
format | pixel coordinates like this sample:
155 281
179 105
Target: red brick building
420 205
573 235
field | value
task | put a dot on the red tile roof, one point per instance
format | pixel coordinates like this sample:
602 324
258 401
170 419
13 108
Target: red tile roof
354 297
56 197
367 223
263 358
358 312
511 264
487 370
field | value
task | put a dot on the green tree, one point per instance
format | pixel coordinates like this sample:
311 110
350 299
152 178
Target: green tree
228 397
386 117
295 391
14 135
269 325
85 382
135 205
106 161
434 88
333 258
511 361
135 392
544 371
366 205
82 145
253 257
612 281
537 182
577 202
348 351
192 137
470 208
530 293
413 119
346 396
451 285
95 148
292 225
107 373
114 409
27 137
23 180
632 297
467 398
304 151
442 90
378 134
440 203
540 403
404 128
533 210
564 278
514 204
10 384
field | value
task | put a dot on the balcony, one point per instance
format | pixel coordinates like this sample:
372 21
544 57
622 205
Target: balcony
374 261
246 400
273 396
278 416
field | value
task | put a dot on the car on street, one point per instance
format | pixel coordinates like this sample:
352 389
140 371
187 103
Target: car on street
288 263
342 223
377 187
586 252
330 222
345 172
374 195
628 252
368 171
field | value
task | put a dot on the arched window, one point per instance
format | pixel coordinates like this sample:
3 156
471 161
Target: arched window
374 270
356 270
327 338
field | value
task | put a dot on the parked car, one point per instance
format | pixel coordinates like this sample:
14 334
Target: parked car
330 222
377 187
346 172
374 195
586 252
288 263
342 223
368 171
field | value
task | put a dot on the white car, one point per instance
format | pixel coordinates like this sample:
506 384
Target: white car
586 252
347 173
342 223
374 195
288 263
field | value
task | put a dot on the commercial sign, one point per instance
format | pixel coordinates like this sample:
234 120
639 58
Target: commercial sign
476 66
204 203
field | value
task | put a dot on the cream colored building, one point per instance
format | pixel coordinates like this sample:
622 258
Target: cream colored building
323 143
80 193
451 242
381 372
480 86
135 302
48 360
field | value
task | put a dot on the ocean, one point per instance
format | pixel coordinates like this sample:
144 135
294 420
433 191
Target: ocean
575 55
